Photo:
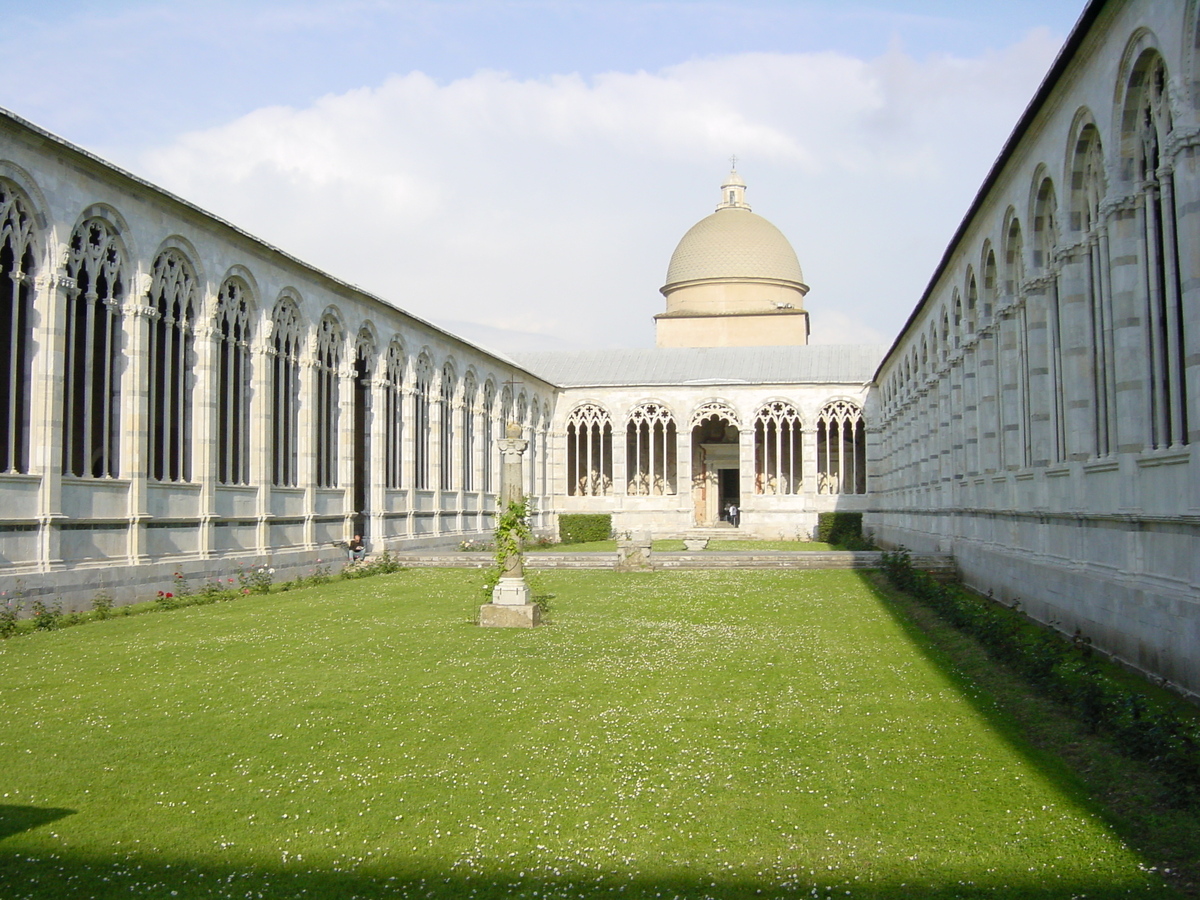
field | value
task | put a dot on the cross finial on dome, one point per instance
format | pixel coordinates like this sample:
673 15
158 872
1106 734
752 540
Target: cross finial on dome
733 191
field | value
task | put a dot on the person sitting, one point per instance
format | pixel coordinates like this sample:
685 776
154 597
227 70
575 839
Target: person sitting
356 548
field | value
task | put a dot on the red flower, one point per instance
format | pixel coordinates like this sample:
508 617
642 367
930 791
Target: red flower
169 594
161 594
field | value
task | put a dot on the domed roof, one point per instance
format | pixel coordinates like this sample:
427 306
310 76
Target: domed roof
733 243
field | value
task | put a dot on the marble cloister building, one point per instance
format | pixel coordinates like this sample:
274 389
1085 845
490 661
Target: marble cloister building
180 396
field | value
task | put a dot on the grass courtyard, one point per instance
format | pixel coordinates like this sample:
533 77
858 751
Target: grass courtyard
676 734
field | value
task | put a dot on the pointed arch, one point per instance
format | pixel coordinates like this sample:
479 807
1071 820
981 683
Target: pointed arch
778 441
331 341
19 237
1147 121
488 411
470 389
286 337
841 449
233 336
651 459
393 414
97 269
422 419
446 395
589 451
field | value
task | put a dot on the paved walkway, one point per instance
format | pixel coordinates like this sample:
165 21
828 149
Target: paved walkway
702 559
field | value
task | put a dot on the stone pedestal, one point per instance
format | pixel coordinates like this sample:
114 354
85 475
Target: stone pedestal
510 606
634 555
495 615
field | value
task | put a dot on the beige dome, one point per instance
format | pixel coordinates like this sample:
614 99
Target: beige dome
733 243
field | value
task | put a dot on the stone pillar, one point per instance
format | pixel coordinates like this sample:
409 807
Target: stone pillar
377 454
510 606
306 463
206 404
344 442
262 412
46 416
135 421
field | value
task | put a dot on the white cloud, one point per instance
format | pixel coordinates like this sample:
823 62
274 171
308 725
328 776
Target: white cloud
551 206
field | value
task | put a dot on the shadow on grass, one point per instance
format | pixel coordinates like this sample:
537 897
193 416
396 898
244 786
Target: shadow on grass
15 819
69 876
1004 721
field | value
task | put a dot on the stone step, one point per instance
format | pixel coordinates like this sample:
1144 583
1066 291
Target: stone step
941 566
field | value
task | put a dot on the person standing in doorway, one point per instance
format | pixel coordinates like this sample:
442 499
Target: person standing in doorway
734 515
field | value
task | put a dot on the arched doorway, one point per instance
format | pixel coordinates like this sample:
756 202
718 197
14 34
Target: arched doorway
716 463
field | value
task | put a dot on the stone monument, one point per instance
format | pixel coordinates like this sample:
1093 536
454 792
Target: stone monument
511 606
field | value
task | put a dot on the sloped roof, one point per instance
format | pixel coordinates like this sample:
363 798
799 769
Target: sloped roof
813 364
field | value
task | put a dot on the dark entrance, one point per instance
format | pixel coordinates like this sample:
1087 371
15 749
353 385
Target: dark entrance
728 490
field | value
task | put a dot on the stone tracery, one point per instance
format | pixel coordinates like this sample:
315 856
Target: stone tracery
17 268
589 451
777 449
650 451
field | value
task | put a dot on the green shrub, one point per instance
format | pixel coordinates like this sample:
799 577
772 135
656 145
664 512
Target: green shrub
579 528
102 605
840 528
383 564
1068 671
10 612
46 617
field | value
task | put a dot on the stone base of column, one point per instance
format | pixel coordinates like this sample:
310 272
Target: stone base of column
495 615
511 592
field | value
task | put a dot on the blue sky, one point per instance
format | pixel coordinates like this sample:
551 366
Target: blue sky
522 170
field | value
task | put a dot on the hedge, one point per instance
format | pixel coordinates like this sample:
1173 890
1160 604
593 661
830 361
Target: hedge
1067 670
580 529
839 527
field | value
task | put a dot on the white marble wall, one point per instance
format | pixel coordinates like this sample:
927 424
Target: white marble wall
762 515
55 528
1040 415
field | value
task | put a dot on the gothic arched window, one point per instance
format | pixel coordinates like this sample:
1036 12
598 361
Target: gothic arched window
393 415
233 377
1045 232
467 436
589 452
421 417
446 469
1088 191
650 451
1148 110
91 396
285 392
489 437
171 356
328 370
841 449
17 264
777 436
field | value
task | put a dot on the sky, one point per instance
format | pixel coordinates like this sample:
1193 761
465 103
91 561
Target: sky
519 171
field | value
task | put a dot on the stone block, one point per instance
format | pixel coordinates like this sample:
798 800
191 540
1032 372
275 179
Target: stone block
511 592
493 615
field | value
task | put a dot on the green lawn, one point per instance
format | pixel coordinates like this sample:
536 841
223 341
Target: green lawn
678 734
